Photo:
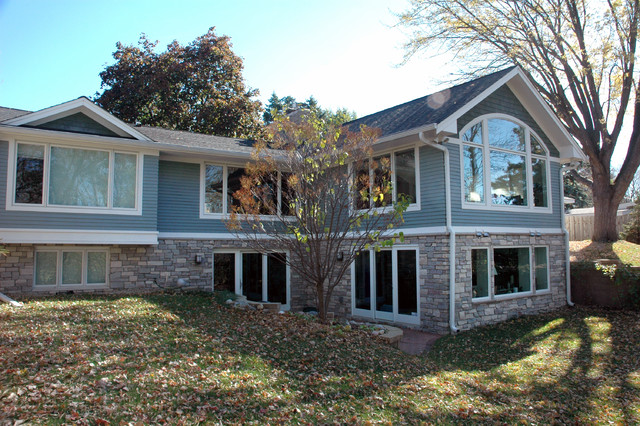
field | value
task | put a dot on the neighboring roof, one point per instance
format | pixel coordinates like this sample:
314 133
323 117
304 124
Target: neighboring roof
195 140
430 109
9 113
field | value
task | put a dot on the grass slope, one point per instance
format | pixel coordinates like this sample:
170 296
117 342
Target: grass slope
186 359
587 250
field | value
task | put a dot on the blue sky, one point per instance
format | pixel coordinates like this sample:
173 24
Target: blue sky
343 52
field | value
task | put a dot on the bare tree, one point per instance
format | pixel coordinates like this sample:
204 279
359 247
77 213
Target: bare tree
316 191
579 54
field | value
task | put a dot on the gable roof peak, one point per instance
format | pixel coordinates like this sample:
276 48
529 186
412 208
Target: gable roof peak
430 109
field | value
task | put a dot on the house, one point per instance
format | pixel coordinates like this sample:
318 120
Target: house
90 203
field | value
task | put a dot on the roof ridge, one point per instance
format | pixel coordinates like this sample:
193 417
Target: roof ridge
475 80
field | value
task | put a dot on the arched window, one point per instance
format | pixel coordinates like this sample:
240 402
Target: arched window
504 163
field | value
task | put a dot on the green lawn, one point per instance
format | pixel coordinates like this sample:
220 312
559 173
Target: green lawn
185 358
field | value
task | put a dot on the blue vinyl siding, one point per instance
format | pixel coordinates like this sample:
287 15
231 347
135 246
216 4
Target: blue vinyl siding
432 195
179 200
495 217
48 220
179 197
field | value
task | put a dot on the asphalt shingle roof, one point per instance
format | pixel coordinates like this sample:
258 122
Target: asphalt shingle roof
429 109
196 140
9 113
417 113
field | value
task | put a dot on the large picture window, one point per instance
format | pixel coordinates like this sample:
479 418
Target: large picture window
52 176
510 271
73 267
504 164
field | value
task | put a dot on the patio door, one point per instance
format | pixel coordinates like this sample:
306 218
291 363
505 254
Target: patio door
385 285
259 277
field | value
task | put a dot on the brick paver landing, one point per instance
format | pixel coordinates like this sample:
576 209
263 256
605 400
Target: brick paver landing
416 342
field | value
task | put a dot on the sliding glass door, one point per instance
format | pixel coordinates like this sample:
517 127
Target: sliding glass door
385 285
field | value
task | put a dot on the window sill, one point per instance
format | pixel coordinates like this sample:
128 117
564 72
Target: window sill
507 208
73 209
510 296
68 287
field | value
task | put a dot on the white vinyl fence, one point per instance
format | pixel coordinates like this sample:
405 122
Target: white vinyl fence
580 227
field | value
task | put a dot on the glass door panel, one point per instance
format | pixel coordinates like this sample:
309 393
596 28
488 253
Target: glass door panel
277 278
384 285
407 282
363 281
224 271
252 276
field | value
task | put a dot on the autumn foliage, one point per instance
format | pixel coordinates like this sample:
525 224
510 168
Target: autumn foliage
314 191
198 87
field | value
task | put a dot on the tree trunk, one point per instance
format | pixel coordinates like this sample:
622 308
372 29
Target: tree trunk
605 210
320 296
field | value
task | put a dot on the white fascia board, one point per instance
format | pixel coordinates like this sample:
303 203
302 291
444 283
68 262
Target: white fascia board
85 106
406 133
151 147
44 135
77 236
449 126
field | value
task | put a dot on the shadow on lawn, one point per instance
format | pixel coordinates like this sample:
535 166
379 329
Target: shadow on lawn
218 362
596 370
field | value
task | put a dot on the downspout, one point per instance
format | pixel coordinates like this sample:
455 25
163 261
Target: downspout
452 234
567 253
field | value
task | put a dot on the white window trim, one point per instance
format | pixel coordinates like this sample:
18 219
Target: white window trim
493 297
54 208
225 176
238 272
486 149
395 317
85 254
533 258
413 206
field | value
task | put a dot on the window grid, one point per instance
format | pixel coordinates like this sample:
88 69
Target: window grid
470 139
415 205
533 284
59 268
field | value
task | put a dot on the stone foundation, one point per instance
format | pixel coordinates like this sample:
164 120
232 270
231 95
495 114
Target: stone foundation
471 314
139 268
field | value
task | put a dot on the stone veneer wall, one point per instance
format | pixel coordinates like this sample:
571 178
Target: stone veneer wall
472 314
433 281
134 268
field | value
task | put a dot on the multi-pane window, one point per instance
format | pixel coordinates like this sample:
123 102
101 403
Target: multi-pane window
504 164
386 179
58 176
222 182
70 268
509 271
